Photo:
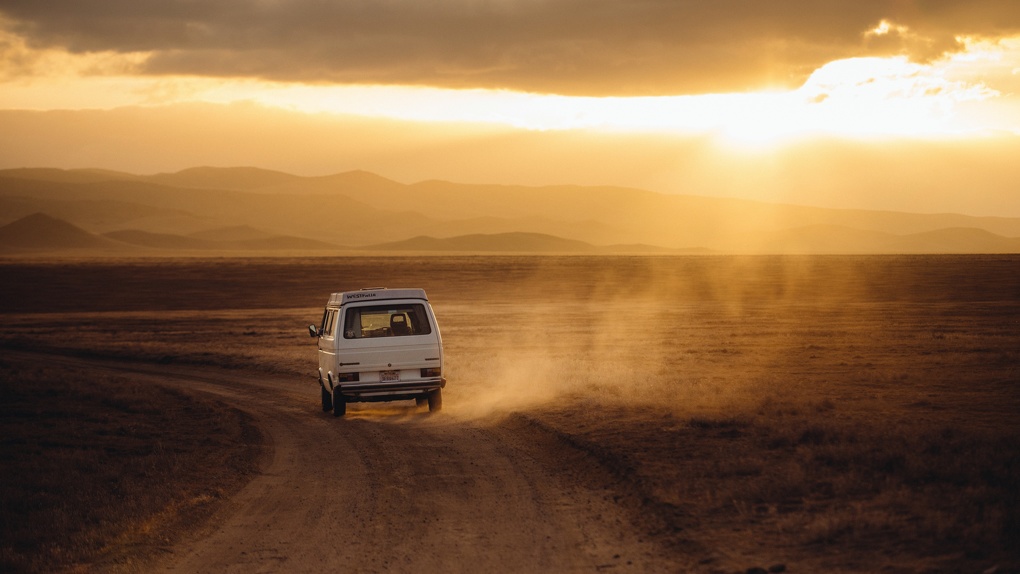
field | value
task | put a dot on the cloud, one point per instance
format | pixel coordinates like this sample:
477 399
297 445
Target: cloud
592 47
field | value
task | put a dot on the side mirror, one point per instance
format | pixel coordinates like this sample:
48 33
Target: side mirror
313 331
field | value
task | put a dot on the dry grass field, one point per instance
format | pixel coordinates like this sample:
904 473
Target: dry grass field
96 466
809 414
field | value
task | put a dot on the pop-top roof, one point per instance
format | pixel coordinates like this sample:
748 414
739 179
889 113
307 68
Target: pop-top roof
378 294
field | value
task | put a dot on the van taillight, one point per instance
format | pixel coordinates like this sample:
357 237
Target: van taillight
431 372
347 377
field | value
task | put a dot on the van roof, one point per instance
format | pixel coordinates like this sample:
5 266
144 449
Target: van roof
375 294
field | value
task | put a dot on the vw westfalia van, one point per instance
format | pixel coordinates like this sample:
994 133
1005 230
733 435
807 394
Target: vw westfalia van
379 345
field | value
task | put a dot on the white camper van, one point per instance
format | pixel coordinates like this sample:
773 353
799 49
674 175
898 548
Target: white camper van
379 345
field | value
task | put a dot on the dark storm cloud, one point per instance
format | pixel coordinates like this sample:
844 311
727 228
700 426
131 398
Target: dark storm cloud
563 46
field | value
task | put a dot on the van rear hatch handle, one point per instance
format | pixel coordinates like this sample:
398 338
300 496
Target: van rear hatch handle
348 364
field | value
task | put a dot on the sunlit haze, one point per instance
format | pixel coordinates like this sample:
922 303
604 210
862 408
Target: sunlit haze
510 286
856 96
893 78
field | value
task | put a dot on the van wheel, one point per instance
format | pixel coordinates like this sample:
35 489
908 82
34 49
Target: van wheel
327 399
339 405
436 401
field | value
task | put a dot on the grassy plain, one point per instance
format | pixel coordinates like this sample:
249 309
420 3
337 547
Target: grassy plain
836 413
96 467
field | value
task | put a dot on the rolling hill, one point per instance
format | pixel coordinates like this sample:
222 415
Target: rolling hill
41 232
495 243
179 242
363 210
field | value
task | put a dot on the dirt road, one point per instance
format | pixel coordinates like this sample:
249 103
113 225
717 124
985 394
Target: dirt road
393 489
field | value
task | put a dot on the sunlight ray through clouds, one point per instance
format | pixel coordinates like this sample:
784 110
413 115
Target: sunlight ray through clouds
854 97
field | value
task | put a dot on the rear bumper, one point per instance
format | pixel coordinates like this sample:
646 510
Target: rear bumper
401 388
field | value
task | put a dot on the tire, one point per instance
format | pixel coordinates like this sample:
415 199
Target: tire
420 401
327 399
436 401
339 405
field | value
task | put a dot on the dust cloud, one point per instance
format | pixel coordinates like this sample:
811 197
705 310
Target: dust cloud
673 333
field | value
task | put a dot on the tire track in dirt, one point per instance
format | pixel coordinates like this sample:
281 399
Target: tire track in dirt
393 489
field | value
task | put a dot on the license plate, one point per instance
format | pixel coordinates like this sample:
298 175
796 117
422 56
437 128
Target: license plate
389 376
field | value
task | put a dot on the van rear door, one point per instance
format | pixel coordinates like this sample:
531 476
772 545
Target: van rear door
388 341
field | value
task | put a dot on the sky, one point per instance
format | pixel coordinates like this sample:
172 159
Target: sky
875 104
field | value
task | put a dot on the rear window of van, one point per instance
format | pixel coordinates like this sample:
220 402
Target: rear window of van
394 320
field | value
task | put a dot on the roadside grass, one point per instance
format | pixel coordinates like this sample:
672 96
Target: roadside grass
800 482
949 489
274 341
92 465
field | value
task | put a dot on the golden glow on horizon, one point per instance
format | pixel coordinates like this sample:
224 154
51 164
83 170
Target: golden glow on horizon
859 97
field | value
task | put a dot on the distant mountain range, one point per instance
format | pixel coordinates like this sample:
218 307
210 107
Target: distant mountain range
41 232
254 210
